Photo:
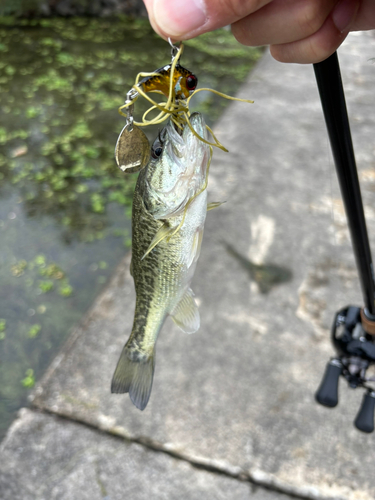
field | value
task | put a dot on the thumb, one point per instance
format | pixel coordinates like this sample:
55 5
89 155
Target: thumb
182 19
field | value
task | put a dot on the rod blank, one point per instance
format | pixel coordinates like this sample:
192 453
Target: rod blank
331 92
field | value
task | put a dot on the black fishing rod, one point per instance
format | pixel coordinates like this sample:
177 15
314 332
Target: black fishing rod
353 330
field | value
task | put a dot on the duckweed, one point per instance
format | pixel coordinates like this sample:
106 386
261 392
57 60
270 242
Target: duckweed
34 330
45 286
66 290
29 381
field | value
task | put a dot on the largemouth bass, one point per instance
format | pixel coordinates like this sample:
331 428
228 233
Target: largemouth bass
169 193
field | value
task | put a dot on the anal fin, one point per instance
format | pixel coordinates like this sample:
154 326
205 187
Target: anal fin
186 313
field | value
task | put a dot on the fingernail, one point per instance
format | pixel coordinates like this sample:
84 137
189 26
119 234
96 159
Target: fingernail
343 13
179 17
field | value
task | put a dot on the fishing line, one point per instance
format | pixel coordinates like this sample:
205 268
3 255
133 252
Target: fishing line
176 109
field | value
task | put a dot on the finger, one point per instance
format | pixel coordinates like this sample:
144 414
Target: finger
312 49
182 19
283 21
365 19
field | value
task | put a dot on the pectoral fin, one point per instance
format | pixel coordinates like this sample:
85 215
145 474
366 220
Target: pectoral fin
162 233
186 313
214 204
196 247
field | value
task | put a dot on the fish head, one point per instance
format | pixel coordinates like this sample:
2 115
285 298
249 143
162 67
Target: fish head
177 168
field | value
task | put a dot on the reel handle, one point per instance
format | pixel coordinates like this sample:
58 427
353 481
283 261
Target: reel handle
365 418
327 394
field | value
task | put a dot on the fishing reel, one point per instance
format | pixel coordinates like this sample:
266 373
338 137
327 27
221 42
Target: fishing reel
353 338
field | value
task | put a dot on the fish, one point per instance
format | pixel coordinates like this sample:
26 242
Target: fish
169 212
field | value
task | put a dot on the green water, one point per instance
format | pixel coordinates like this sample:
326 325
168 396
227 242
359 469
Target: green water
64 206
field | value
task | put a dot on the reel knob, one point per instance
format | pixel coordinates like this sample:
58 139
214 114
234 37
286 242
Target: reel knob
365 418
327 394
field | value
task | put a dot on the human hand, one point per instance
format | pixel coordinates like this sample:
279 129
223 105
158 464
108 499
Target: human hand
299 31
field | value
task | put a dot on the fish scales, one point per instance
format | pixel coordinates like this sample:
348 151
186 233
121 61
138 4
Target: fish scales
162 202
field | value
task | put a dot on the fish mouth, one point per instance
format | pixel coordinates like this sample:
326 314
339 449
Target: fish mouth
198 124
180 144
179 172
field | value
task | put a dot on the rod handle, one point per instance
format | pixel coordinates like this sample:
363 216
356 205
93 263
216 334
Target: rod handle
365 418
327 394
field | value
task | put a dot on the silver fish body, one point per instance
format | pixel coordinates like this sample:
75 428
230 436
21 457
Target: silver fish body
169 191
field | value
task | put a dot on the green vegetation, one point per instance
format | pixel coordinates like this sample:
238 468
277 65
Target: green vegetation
29 380
34 330
2 328
23 7
65 207
39 267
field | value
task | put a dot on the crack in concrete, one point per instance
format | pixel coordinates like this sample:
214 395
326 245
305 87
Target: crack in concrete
257 478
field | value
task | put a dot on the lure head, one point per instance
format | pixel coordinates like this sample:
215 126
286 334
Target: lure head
184 81
177 168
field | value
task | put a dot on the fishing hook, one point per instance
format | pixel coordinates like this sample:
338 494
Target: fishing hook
174 49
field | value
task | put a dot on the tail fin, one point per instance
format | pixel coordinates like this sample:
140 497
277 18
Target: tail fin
134 374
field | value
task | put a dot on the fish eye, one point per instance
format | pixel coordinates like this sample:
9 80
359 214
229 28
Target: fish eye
156 151
191 82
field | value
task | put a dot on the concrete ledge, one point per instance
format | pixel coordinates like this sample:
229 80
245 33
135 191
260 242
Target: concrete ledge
46 458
